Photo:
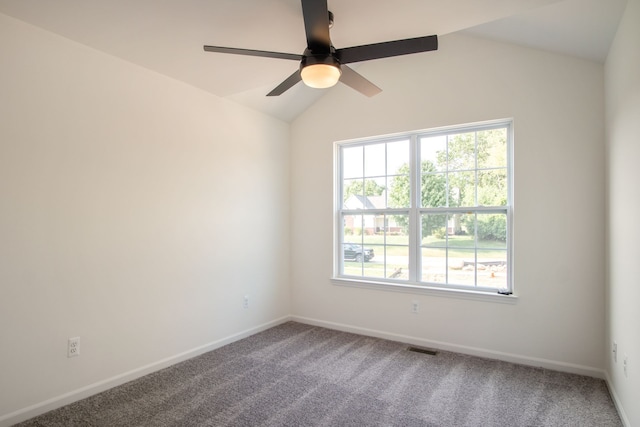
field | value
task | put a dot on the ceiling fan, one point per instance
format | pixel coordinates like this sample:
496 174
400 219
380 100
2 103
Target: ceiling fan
322 65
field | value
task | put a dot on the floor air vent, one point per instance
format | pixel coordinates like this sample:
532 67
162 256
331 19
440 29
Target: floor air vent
423 350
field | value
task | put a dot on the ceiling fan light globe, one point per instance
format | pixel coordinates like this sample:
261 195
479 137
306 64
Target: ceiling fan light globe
320 76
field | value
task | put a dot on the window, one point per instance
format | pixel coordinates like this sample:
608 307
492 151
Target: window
429 209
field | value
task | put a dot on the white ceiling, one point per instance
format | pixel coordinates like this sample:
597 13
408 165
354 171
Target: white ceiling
167 35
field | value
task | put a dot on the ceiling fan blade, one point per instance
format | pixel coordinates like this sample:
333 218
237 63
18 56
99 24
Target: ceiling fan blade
356 81
286 85
251 52
386 49
316 25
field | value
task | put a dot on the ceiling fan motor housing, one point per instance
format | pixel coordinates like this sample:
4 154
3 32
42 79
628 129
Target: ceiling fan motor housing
309 58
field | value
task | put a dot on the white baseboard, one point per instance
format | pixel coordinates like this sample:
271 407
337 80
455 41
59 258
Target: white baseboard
616 401
473 351
100 386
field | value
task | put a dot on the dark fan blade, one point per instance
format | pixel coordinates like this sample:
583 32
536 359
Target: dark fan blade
286 85
316 25
251 52
386 49
355 80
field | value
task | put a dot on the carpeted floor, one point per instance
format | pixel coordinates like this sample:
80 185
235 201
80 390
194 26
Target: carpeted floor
301 375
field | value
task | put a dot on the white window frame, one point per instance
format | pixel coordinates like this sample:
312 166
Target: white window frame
413 285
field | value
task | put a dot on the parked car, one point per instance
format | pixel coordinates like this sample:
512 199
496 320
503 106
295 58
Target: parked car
356 253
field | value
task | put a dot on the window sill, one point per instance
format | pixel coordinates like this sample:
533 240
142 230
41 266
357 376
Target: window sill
425 290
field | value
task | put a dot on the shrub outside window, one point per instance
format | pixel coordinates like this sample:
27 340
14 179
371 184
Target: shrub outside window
429 208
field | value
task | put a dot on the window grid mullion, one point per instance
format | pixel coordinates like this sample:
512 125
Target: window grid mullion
386 205
414 205
475 215
364 180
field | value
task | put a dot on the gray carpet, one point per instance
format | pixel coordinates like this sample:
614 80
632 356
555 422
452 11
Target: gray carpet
301 375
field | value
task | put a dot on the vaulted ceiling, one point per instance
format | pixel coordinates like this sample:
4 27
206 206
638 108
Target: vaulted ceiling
167 35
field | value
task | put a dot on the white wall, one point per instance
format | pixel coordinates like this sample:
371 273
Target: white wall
623 132
557 104
130 212
135 212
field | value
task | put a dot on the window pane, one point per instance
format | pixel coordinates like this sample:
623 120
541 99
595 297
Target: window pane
492 148
368 226
462 189
433 153
399 191
434 230
398 226
398 157
369 193
492 269
434 265
374 160
492 187
461 267
374 262
397 262
396 230
352 268
398 171
352 228
352 162
461 230
492 231
351 188
433 251
375 246
375 190
433 193
391 247
356 257
461 151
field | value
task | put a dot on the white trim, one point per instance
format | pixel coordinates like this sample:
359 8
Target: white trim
100 386
425 290
616 401
473 351
441 130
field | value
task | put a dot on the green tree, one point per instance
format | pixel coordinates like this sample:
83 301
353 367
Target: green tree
467 152
474 164
369 188
433 194
489 147
459 161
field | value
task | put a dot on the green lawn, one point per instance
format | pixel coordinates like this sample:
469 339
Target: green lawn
459 246
373 269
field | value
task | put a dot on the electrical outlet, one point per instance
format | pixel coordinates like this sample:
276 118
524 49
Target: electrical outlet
615 352
73 347
415 306
625 364
245 301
